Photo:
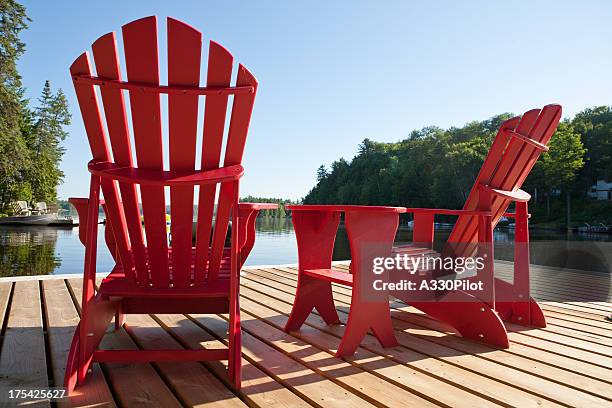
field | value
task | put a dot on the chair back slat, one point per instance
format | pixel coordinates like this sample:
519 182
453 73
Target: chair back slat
148 258
242 108
90 111
184 56
465 232
106 58
219 74
511 169
140 45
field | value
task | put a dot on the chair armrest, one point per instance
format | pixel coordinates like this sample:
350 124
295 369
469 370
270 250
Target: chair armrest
518 195
257 206
346 208
81 204
246 227
513 215
442 211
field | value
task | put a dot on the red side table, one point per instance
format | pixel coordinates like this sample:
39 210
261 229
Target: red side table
371 232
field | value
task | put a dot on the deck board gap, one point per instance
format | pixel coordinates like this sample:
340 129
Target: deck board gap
43 311
7 312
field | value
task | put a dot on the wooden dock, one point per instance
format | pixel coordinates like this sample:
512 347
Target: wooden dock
569 363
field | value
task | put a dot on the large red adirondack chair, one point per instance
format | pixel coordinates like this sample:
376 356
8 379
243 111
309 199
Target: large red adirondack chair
150 275
476 315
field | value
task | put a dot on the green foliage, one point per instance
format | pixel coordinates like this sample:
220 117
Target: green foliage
433 167
13 152
50 117
278 213
558 167
595 128
30 150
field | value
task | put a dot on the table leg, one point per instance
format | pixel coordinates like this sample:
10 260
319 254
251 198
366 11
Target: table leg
315 233
370 235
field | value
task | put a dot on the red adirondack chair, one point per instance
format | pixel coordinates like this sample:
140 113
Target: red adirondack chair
477 315
150 275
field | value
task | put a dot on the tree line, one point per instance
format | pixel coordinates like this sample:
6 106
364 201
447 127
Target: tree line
30 134
435 167
280 212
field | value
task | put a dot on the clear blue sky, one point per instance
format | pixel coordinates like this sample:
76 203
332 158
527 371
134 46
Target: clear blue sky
332 73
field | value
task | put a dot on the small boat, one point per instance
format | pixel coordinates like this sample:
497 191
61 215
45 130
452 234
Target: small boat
39 219
39 215
600 228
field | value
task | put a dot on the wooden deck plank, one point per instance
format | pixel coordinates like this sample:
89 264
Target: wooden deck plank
603 306
592 337
517 337
191 381
401 366
567 363
376 389
342 294
149 390
23 361
556 318
463 353
258 389
62 318
5 294
471 347
574 313
569 324
578 307
302 380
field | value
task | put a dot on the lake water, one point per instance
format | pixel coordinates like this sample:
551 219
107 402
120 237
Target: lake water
28 250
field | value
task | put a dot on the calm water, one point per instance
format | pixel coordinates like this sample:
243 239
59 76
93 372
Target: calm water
47 250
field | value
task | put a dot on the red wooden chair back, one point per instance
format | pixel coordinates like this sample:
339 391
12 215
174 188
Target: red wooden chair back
146 257
515 150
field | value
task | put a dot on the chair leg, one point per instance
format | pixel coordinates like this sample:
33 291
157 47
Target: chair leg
96 317
235 346
119 320
513 307
72 363
312 294
471 317
236 364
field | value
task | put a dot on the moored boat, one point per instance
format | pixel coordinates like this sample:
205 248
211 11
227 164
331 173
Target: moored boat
39 219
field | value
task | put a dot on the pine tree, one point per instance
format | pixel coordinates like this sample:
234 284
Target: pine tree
44 144
14 159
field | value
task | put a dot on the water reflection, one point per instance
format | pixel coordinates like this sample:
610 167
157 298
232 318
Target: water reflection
28 251
592 252
45 250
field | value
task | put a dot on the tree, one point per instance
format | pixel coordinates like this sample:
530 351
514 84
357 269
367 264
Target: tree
561 164
595 128
321 173
13 151
44 144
